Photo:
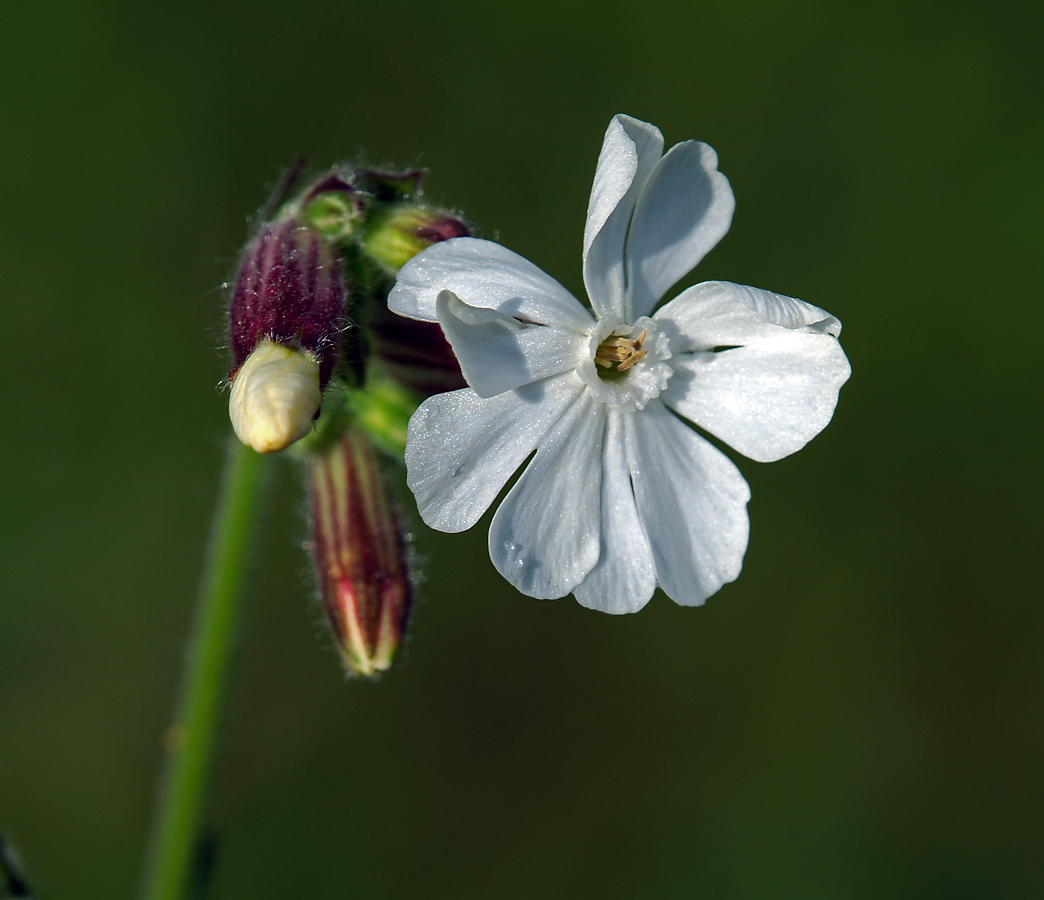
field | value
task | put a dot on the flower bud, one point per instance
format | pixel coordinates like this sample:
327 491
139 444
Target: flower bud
415 354
404 230
358 551
333 207
288 291
274 397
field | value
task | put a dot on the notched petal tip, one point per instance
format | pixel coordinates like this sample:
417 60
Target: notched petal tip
275 395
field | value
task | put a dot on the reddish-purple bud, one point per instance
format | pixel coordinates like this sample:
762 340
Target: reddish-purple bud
416 354
359 552
288 290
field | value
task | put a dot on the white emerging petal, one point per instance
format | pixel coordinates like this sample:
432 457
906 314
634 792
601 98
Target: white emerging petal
484 274
775 386
629 154
544 537
275 394
693 503
498 352
684 210
624 579
461 449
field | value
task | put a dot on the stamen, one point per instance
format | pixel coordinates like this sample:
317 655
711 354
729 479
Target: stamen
620 352
626 364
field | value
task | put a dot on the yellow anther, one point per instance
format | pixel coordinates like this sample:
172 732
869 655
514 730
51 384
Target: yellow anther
621 352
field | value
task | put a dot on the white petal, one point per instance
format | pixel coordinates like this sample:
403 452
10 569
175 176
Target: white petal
461 449
721 314
544 536
767 399
629 153
693 503
483 274
776 388
684 210
624 579
498 352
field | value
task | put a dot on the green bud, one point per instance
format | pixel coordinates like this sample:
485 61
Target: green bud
397 235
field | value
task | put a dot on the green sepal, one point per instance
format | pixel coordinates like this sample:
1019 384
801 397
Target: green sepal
382 410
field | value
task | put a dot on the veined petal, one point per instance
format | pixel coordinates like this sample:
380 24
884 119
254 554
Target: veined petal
486 275
767 399
722 314
624 578
684 209
629 154
693 503
498 352
773 385
544 537
461 449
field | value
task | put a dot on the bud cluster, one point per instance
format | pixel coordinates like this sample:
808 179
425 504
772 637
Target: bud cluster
319 361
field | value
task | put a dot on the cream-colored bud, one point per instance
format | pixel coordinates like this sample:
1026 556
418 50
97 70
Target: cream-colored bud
274 396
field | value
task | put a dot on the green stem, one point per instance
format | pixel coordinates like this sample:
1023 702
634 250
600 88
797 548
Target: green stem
192 739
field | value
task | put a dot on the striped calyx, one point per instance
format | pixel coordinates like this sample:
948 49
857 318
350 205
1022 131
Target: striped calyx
359 552
289 291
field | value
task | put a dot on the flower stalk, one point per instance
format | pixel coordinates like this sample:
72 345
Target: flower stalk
192 739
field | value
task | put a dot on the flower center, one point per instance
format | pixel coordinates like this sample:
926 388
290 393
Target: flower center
627 364
618 353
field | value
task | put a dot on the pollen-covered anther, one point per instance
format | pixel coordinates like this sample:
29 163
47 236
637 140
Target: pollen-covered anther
275 395
621 352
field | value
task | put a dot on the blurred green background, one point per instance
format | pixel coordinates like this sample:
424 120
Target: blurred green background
859 716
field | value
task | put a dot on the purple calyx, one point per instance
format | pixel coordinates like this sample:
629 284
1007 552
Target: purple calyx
289 290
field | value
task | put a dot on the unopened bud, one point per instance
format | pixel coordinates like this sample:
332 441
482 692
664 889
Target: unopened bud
404 230
359 552
288 291
275 395
333 207
415 354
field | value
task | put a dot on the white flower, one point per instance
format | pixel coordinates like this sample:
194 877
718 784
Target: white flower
621 495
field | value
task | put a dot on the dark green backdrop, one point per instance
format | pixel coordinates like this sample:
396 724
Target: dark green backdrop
859 716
